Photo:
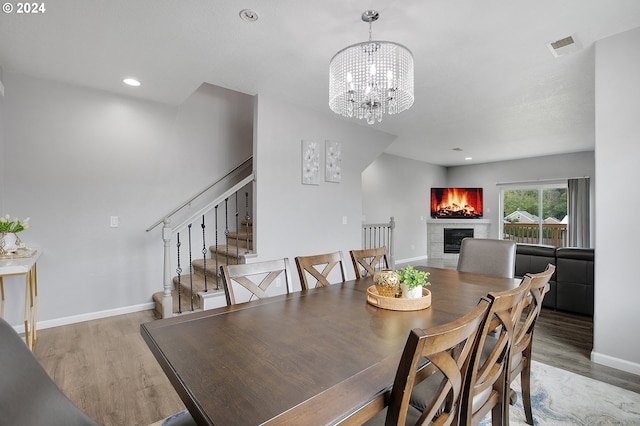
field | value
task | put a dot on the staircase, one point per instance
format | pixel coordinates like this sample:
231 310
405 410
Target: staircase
221 212
240 245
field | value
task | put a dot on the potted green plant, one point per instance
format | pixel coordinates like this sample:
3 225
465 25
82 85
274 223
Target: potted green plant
412 281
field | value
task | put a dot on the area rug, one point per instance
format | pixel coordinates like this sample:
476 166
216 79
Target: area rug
559 397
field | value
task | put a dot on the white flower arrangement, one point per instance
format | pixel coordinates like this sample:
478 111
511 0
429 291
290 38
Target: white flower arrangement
14 225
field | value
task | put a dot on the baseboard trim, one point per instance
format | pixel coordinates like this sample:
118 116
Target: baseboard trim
41 325
617 363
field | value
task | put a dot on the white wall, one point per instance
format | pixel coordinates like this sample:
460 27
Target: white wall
400 187
294 219
531 169
2 155
74 157
617 292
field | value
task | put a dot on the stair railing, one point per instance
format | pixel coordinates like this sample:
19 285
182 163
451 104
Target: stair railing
169 231
380 234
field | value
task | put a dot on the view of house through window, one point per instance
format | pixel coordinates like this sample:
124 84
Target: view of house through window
535 215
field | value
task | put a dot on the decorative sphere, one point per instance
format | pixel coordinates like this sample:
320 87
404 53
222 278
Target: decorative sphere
387 283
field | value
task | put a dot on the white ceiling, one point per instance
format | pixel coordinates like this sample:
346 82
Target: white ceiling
485 79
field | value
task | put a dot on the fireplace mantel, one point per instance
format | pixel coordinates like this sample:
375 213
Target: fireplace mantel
435 234
465 222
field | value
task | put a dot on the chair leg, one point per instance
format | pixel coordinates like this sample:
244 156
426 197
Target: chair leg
498 415
525 380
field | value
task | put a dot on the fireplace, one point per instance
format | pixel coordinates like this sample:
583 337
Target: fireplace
435 235
453 238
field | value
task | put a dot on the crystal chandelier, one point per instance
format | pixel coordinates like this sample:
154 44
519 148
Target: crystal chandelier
371 78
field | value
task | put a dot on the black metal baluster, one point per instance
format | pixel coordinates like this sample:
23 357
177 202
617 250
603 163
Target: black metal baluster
190 269
204 256
179 272
226 229
237 230
216 232
247 218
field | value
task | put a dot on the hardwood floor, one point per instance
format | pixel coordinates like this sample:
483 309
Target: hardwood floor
106 368
565 341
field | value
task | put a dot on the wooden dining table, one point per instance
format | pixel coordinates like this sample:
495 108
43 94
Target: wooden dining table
315 357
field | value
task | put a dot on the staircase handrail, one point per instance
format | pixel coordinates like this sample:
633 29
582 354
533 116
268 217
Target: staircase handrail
190 200
228 193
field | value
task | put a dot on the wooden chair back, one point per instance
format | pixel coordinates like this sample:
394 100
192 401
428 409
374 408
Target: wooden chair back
523 340
318 267
368 261
486 388
254 277
448 350
488 256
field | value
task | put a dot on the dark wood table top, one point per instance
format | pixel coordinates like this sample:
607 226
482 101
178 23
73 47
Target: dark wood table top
321 356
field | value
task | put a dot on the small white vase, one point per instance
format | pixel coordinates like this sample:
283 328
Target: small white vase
8 242
413 293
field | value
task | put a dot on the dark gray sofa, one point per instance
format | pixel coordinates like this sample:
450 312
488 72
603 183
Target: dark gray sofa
571 287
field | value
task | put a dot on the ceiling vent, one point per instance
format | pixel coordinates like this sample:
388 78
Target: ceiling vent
564 46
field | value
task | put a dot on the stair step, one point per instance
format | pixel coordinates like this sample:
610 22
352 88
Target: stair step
184 302
198 285
240 239
231 251
199 266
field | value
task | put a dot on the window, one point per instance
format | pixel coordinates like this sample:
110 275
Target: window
535 215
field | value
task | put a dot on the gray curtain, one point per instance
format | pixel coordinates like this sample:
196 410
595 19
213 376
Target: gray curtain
578 207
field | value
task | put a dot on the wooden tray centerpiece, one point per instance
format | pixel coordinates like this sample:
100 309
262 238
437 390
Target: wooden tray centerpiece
398 303
390 286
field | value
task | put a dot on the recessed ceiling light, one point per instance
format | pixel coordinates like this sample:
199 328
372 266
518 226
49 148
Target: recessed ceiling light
468 158
249 15
131 82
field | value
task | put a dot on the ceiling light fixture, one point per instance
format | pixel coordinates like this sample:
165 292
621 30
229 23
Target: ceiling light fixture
131 82
369 79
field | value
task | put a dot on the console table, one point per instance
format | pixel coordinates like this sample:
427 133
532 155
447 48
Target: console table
23 263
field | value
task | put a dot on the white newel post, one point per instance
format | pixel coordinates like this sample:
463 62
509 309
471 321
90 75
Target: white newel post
167 299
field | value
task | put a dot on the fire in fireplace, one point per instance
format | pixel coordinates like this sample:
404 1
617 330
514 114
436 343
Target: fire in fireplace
456 203
453 238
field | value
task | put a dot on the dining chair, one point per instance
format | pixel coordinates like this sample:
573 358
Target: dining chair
523 339
487 389
368 261
441 355
310 266
254 279
488 256
30 397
